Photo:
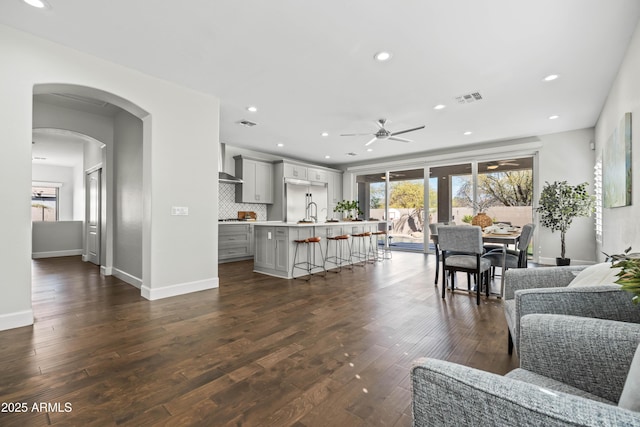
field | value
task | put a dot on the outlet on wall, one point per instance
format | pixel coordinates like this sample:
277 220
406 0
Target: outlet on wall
179 210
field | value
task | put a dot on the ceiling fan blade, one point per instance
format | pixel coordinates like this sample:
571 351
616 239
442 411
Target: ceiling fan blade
371 142
395 138
407 130
356 134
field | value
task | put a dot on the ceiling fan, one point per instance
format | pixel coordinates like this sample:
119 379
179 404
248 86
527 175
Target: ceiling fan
383 133
500 163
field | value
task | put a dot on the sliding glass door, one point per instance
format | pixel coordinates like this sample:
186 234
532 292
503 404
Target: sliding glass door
396 197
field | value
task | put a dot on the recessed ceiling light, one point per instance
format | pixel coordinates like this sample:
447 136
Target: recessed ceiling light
439 107
382 56
369 149
40 4
279 144
325 133
467 132
551 77
553 117
252 109
327 157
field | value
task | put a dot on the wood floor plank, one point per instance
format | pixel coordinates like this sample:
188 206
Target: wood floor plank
259 350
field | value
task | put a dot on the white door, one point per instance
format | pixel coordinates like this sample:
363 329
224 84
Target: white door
93 220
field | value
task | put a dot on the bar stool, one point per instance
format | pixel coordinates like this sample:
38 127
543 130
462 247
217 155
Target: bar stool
363 256
385 252
308 265
339 258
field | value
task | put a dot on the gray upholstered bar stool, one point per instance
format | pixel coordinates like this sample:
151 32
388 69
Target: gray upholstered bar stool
384 252
342 255
364 253
309 265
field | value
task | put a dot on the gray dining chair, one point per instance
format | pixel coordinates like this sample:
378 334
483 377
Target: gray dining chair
514 258
433 231
461 247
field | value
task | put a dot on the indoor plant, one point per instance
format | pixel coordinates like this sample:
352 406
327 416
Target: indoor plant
348 208
630 276
559 204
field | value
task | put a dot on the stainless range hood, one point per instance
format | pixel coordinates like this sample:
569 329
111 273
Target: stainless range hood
223 176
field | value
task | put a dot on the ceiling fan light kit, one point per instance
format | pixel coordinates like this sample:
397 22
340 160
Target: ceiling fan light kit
383 133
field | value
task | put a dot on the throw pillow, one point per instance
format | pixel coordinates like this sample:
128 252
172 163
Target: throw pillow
597 274
630 397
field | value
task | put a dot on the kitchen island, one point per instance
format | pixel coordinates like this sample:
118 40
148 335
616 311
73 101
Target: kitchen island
275 246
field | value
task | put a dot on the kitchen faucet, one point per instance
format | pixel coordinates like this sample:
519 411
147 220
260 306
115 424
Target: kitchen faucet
314 217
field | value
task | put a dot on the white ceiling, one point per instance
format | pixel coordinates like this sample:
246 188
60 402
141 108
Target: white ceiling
309 68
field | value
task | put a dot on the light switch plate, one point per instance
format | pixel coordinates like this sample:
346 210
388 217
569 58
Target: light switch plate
179 210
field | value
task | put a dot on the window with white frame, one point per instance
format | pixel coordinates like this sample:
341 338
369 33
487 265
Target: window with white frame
45 201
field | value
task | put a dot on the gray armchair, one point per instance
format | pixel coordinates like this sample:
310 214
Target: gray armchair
572 372
544 290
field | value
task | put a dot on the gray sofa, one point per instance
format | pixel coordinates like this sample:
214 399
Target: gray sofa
572 372
544 290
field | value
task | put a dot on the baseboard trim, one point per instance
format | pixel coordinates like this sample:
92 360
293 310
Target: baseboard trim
128 278
574 262
55 254
179 289
106 271
16 320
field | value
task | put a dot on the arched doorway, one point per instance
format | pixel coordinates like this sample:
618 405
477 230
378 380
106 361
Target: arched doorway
119 127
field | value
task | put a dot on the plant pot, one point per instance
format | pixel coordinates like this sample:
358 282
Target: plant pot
563 261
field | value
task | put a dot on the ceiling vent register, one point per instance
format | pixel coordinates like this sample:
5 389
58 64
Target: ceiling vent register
468 98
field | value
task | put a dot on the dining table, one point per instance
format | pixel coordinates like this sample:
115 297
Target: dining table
505 239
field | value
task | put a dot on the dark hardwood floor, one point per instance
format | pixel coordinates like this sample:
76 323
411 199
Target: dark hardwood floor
257 351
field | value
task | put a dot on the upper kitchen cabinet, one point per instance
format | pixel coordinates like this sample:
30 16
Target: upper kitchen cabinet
317 175
291 170
257 177
334 188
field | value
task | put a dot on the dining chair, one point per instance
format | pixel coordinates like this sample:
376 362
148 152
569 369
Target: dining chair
513 258
433 232
461 247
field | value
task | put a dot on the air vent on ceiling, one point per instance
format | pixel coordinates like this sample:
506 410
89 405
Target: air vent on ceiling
468 98
247 123
352 154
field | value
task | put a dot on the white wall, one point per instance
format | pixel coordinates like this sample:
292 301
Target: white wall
55 239
621 227
127 209
567 156
180 155
65 176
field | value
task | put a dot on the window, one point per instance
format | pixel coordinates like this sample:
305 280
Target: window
44 203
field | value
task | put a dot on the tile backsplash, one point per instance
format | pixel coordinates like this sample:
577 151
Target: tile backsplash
228 208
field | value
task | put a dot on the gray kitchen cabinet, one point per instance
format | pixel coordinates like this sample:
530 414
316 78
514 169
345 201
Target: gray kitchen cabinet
282 250
292 170
257 177
264 256
317 175
272 250
235 242
334 189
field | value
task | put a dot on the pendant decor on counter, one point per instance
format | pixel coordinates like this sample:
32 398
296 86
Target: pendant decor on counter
482 219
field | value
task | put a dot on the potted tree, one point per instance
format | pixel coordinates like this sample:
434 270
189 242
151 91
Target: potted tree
560 203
